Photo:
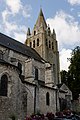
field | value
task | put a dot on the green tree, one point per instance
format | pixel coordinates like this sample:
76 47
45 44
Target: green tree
63 74
73 76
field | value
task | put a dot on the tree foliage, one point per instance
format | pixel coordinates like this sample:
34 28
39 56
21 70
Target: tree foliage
72 77
64 76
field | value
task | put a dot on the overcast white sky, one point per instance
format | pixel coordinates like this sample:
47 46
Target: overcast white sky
62 15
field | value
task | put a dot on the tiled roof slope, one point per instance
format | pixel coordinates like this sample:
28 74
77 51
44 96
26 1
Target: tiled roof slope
18 47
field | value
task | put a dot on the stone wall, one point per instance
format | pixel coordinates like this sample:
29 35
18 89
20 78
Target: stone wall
9 105
49 79
42 100
30 66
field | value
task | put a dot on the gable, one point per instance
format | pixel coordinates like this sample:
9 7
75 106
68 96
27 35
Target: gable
65 88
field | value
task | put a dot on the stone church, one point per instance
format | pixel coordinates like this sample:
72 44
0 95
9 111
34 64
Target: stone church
30 74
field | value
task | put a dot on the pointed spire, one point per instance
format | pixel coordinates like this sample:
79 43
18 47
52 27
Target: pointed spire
41 13
28 32
54 34
53 31
41 20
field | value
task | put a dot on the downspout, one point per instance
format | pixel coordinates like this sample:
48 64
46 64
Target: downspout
35 100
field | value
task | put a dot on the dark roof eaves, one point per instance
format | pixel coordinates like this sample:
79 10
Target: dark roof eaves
26 49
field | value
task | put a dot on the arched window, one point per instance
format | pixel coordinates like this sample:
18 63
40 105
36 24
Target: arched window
49 44
20 67
37 42
34 44
47 99
34 32
30 44
36 74
3 85
46 42
52 46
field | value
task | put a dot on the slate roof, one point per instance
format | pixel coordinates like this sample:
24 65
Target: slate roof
14 45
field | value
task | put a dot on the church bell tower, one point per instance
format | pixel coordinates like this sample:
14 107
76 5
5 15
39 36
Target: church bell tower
44 42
